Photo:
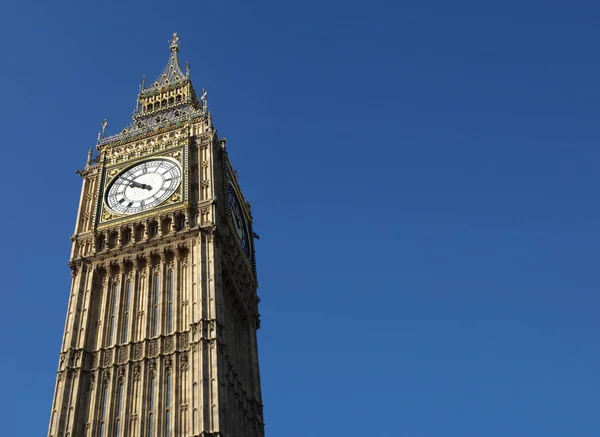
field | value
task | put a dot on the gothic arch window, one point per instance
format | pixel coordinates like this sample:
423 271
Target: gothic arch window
149 106
170 302
126 236
179 222
166 226
153 229
103 411
126 305
119 409
100 242
113 312
112 239
151 409
156 287
171 100
163 103
139 232
178 98
168 406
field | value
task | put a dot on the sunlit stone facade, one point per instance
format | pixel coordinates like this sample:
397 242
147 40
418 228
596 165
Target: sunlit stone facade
160 333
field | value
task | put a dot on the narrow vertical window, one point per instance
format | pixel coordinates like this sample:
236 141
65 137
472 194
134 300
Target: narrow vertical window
168 405
155 306
113 311
119 410
103 411
125 334
170 303
151 409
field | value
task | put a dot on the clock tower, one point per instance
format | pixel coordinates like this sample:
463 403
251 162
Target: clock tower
160 333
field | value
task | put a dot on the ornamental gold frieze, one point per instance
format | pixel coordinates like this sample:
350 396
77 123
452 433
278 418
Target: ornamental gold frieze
144 148
132 136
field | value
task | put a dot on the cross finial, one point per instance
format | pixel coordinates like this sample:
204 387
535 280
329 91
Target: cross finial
175 43
143 83
101 133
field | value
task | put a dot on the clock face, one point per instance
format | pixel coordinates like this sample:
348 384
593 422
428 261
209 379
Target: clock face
143 186
239 223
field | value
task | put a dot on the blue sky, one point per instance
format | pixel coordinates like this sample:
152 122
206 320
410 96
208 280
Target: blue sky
424 179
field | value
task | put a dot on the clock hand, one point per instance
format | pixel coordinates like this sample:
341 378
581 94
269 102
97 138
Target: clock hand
135 184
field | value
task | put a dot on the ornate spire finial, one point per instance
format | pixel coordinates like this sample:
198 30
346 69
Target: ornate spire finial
204 99
175 43
101 133
89 159
143 83
187 69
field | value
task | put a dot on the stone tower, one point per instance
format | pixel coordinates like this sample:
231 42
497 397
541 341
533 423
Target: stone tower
160 333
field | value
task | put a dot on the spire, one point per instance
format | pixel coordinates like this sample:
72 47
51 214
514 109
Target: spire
169 100
172 72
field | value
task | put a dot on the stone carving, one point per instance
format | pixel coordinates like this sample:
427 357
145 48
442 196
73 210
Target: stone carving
185 340
137 352
122 355
95 359
184 361
136 372
92 381
108 356
152 348
168 345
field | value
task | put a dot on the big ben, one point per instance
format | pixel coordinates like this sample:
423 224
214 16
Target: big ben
160 334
